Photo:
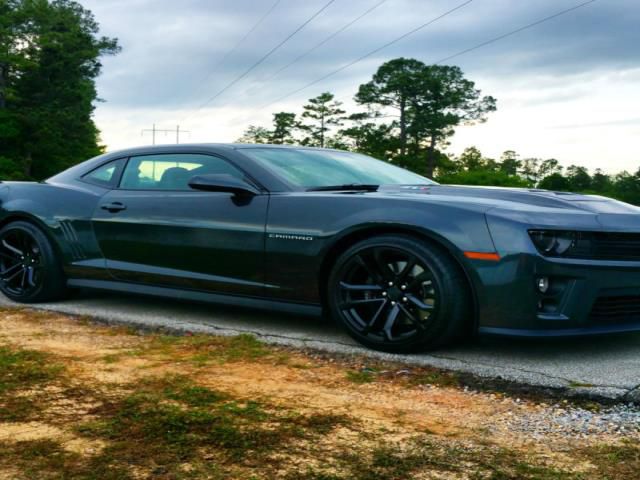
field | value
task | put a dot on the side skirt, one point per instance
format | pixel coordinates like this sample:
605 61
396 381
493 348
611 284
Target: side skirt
563 332
197 296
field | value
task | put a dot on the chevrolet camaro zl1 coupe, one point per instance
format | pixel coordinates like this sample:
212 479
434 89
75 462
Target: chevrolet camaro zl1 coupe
401 262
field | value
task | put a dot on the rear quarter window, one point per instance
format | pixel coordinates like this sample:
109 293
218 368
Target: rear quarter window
106 175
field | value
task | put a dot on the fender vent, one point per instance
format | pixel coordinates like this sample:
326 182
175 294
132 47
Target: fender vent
71 236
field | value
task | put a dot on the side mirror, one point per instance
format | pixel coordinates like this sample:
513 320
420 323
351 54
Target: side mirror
222 183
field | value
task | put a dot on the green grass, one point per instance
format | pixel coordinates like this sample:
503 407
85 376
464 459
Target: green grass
245 347
615 462
173 428
386 461
414 377
47 459
323 423
394 461
361 376
112 358
435 377
170 421
580 385
203 349
22 371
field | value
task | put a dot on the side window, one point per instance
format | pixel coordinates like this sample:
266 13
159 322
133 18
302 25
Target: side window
106 175
172 171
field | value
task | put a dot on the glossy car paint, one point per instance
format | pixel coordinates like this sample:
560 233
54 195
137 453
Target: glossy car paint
147 242
275 249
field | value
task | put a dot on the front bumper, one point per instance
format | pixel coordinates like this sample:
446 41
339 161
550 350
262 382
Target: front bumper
586 297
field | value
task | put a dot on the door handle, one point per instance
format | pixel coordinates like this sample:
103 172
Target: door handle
113 207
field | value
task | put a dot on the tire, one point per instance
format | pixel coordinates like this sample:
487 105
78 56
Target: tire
397 294
30 270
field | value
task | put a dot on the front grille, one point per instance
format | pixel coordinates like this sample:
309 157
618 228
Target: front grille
607 246
616 309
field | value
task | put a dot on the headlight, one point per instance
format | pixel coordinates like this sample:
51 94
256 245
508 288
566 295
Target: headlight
554 243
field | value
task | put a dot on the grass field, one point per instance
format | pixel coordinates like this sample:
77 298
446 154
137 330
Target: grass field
78 400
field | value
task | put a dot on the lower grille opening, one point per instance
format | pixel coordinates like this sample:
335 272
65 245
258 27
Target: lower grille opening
620 309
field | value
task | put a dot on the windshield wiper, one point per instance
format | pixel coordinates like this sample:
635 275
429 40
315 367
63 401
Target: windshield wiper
347 187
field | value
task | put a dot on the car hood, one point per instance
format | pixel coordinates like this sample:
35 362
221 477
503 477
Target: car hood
533 207
515 198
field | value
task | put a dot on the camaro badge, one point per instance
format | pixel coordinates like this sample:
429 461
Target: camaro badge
288 236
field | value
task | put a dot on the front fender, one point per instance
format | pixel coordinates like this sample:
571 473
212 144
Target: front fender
302 229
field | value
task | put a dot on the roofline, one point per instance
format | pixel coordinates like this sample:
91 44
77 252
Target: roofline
224 146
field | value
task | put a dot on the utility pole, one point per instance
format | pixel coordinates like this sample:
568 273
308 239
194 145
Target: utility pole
155 130
178 132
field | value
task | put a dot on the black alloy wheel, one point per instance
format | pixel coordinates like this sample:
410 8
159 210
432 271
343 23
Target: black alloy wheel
397 294
29 271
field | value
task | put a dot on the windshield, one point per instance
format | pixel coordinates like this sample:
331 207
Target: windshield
310 168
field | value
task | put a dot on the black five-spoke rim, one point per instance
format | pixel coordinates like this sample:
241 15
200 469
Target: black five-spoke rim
387 294
20 262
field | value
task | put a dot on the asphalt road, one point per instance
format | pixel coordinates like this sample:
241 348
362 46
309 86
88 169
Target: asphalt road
597 366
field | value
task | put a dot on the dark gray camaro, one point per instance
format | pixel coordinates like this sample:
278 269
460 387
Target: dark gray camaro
401 262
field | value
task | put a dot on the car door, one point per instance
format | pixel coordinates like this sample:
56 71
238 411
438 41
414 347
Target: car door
155 229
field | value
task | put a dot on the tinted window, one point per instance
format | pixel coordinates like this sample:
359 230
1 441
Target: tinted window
106 175
172 171
319 168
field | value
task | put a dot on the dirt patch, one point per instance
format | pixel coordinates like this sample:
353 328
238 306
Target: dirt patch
114 404
38 431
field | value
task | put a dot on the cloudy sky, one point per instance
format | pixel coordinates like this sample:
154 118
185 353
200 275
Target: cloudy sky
568 88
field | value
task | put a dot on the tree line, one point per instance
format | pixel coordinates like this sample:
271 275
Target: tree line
472 168
424 102
408 111
50 53
49 58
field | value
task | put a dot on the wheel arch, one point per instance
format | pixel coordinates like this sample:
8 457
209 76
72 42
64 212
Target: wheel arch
354 236
36 222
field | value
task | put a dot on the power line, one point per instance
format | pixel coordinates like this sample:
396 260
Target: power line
513 32
327 39
367 55
462 52
236 46
264 57
510 33
315 47
253 29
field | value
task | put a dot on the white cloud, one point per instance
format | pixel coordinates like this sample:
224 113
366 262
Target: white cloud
566 89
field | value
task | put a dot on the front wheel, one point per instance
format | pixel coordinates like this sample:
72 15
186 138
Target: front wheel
397 294
29 269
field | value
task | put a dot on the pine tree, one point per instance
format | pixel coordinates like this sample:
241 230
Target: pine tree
322 113
283 125
431 101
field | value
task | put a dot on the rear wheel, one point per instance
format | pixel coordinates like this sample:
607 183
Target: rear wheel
29 269
397 294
